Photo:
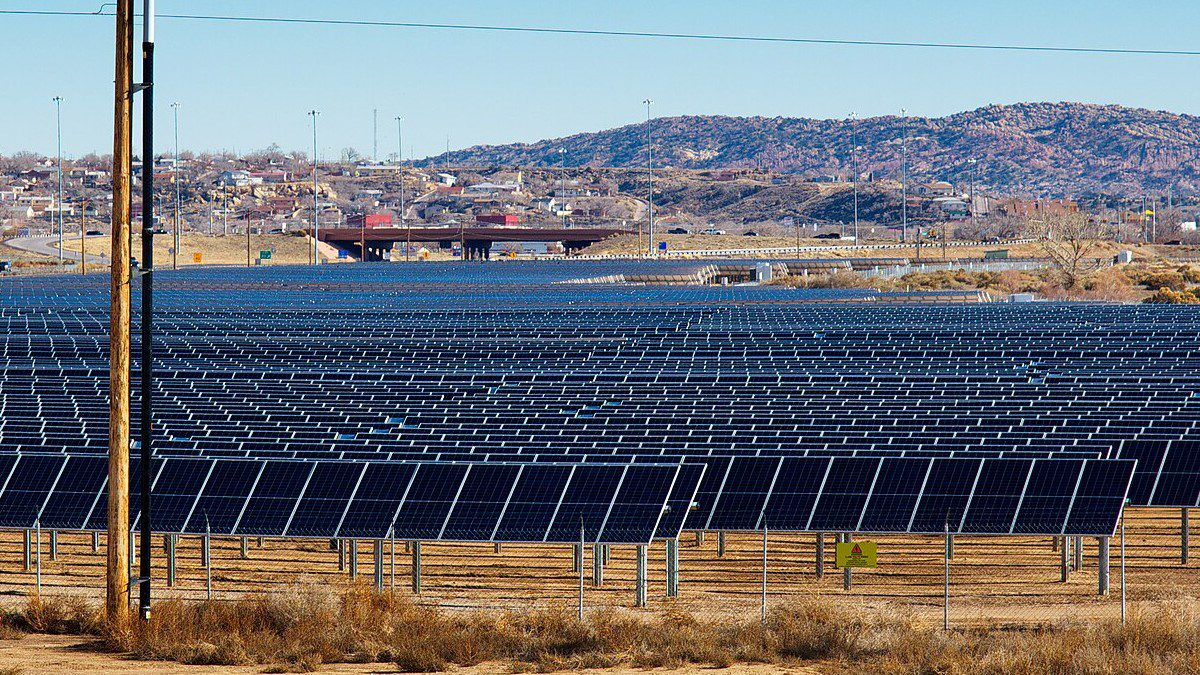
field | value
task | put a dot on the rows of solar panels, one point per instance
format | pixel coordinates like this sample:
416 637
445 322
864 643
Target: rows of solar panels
803 416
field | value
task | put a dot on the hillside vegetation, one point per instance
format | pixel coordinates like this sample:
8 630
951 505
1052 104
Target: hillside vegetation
1045 148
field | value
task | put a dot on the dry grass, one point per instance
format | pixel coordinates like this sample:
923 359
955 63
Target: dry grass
303 627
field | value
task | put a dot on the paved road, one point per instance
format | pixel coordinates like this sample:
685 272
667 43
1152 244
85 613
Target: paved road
48 246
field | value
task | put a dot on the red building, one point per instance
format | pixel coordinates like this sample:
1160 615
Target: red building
369 220
501 219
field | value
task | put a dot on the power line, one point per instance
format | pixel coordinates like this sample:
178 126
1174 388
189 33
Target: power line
630 34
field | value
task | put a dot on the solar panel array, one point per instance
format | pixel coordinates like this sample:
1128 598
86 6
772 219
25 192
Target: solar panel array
433 501
767 387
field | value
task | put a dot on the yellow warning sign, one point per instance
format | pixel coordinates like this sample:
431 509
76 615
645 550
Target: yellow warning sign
857 554
197 257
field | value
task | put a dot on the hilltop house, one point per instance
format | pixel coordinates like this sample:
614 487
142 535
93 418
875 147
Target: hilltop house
938 188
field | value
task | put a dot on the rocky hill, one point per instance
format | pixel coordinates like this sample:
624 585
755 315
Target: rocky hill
1047 149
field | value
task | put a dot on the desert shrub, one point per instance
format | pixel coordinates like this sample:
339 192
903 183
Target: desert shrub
1168 296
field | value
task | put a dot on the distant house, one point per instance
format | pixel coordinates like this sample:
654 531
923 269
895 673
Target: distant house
238 178
953 208
18 212
493 189
547 204
938 188
446 179
369 220
273 176
501 219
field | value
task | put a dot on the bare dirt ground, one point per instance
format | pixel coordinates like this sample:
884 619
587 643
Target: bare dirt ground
214 250
67 654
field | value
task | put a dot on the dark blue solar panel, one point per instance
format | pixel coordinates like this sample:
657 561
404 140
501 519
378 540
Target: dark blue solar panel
533 503
947 490
996 496
275 495
1048 497
320 510
372 511
891 505
224 497
75 493
28 488
481 502
844 494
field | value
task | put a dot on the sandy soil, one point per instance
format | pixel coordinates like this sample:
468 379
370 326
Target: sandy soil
66 654
215 250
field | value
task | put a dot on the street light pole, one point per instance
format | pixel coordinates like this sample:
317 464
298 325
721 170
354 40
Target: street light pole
316 253
971 191
400 147
375 135
650 174
903 177
854 165
175 250
562 166
58 117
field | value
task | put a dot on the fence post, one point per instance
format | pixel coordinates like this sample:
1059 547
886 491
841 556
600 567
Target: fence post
379 564
946 583
1065 554
37 552
1183 536
415 548
672 568
1102 563
170 542
763 605
847 572
820 555
1123 565
579 565
640 590
597 564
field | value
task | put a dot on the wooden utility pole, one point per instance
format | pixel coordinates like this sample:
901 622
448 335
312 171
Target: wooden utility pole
117 598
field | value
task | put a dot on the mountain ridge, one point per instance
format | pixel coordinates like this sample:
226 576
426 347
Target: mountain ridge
1049 149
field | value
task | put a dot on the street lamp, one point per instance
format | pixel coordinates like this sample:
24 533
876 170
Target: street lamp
562 165
854 165
971 192
903 176
58 117
316 253
650 175
400 147
175 250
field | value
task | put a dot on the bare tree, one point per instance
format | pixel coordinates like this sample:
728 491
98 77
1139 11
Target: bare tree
1071 242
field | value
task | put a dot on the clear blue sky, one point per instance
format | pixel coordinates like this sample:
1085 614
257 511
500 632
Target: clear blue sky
245 86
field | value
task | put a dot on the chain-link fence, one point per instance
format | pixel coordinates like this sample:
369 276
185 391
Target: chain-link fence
962 581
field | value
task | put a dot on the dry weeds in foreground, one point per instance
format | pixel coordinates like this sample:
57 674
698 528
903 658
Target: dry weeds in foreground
301 628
